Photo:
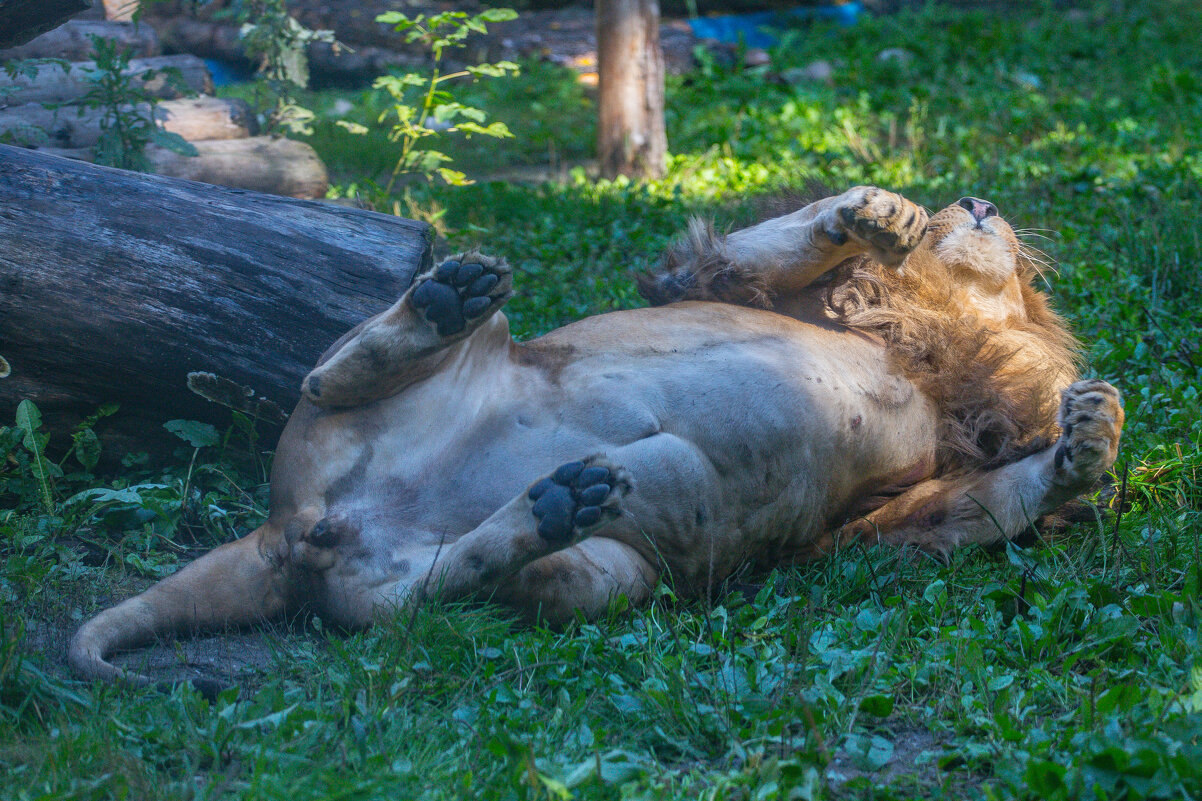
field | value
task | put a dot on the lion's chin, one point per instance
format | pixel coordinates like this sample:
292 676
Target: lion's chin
984 254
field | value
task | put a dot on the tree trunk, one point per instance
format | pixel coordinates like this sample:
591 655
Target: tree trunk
630 69
34 125
71 41
114 286
53 85
22 20
262 164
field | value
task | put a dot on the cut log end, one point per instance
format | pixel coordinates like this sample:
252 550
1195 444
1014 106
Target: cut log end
261 163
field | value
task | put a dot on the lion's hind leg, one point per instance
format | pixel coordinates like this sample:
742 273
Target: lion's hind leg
996 505
442 307
591 530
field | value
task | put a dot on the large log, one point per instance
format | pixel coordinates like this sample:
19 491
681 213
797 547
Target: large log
114 286
72 41
35 125
22 20
221 41
261 164
54 85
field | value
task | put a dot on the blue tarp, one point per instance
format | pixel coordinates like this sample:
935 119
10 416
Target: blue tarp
750 28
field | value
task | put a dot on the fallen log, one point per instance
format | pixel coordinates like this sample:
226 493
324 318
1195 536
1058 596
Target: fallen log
222 41
114 286
260 164
72 41
22 20
35 125
263 164
53 84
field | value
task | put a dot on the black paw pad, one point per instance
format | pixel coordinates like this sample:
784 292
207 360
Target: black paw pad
457 292
574 497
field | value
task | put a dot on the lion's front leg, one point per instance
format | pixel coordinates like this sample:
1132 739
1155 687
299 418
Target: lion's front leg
996 505
785 254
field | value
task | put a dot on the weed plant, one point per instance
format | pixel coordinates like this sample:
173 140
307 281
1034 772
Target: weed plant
1071 669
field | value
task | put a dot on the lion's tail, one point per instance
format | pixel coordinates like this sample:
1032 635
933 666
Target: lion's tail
236 584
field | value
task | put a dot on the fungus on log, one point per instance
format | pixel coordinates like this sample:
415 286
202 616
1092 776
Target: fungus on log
115 286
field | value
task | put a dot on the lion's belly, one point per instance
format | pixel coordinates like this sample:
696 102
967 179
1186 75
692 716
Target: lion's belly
798 421
794 420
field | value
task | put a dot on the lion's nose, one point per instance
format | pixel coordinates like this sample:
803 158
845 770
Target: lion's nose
979 209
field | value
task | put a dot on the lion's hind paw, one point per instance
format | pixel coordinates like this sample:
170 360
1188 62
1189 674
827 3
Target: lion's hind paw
1091 421
462 291
577 496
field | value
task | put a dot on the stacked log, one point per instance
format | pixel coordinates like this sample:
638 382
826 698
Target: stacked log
46 112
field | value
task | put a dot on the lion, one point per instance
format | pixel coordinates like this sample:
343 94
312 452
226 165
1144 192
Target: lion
850 372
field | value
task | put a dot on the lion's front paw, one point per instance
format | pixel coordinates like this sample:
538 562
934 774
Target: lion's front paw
885 223
1091 420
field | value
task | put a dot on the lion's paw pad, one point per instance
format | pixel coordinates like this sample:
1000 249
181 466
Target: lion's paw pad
1091 421
578 495
888 223
460 290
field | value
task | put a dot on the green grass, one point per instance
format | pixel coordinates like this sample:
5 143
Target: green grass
1069 670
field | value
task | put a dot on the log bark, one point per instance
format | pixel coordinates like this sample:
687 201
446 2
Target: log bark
54 85
114 286
22 20
261 164
220 41
34 125
72 41
631 139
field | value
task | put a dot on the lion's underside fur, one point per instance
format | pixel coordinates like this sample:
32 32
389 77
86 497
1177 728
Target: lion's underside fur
864 375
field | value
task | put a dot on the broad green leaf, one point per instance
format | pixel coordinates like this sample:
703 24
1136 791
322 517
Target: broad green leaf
105 495
196 434
497 15
29 421
87 448
880 706
494 70
454 177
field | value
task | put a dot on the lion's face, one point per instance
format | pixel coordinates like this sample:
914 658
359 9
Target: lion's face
974 247
973 241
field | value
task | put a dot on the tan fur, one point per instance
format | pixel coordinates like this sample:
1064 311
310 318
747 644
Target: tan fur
902 388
